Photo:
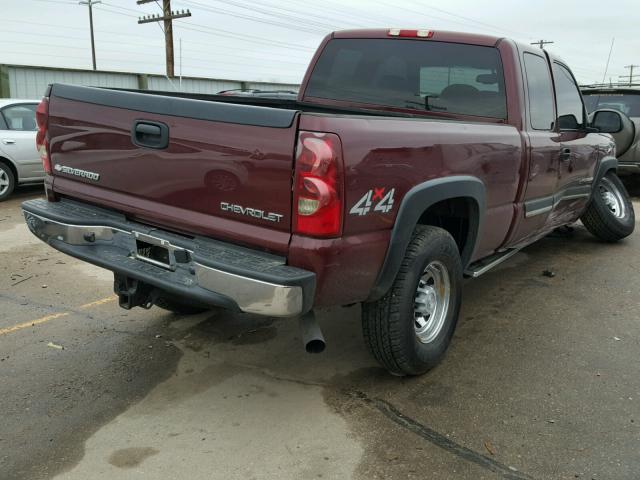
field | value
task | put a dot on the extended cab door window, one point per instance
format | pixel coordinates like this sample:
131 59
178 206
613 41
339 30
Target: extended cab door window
540 88
568 99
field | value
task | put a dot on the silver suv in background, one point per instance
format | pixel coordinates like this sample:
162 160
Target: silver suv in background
19 159
625 99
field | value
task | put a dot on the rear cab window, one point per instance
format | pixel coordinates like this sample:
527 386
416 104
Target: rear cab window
412 75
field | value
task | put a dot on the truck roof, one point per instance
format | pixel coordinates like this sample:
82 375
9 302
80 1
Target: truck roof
436 35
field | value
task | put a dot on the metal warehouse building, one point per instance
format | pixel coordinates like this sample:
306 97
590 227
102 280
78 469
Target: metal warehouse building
20 81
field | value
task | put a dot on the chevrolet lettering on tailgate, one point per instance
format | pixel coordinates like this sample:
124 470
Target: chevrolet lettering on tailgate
250 212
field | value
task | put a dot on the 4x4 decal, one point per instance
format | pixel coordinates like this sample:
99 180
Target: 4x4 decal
384 202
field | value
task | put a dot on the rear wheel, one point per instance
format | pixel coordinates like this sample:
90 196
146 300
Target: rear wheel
610 215
409 329
7 181
180 307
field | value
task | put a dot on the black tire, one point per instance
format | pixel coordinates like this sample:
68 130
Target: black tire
389 324
6 175
178 306
606 220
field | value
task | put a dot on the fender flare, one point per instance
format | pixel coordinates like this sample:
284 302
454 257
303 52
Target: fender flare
414 204
607 163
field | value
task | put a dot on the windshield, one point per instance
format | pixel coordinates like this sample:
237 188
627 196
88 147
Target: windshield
412 74
626 103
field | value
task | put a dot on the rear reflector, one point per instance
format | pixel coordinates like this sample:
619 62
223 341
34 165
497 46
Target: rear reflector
318 185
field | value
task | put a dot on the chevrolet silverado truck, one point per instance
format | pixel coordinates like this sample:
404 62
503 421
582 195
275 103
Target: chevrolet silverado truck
409 160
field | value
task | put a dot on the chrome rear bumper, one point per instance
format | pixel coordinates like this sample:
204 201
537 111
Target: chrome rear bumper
203 270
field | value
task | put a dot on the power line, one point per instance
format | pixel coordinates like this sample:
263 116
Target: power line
242 37
137 62
343 14
489 25
289 26
198 60
232 35
318 26
332 20
418 12
152 43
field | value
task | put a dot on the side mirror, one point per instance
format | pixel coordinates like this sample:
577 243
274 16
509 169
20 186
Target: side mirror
607 121
621 128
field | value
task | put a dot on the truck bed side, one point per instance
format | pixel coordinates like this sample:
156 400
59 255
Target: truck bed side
395 153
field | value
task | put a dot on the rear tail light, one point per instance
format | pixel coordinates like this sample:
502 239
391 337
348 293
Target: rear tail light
318 185
42 142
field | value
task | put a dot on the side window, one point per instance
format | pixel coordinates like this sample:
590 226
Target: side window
20 117
569 102
540 92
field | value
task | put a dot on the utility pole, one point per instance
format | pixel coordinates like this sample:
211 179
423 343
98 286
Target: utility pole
631 76
90 4
542 43
167 17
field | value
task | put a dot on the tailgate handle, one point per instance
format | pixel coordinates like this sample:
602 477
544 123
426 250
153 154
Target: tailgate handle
149 134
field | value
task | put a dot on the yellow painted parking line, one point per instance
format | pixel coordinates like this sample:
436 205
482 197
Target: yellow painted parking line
47 318
32 323
99 302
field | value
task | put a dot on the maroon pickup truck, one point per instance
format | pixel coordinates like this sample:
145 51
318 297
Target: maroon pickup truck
410 159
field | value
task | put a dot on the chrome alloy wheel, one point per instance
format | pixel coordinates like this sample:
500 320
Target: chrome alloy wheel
612 197
431 303
4 181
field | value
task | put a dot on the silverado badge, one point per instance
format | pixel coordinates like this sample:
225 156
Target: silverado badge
77 172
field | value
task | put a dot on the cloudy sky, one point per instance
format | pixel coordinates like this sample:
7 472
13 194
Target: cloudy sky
273 40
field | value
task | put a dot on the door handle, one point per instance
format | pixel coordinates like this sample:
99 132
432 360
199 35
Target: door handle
148 129
8 141
150 134
565 154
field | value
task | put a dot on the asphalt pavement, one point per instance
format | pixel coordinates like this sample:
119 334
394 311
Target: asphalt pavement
541 381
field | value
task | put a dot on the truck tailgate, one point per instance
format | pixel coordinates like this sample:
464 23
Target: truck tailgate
225 172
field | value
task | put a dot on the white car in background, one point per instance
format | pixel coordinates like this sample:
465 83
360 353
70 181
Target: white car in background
19 160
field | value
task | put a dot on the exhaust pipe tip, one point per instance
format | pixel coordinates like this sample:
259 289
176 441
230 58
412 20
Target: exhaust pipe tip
312 337
316 345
